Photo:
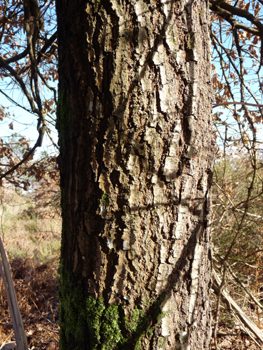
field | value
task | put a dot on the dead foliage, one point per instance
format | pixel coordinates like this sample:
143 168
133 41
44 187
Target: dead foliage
37 293
234 339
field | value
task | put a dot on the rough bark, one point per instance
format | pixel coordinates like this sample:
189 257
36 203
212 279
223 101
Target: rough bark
137 149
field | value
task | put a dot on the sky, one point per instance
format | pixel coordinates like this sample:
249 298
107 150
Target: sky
251 79
24 124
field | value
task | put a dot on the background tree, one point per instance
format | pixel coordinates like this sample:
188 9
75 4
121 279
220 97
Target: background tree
28 69
236 34
136 162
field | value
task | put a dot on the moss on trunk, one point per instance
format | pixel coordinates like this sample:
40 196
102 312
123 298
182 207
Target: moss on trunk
89 323
137 156
72 311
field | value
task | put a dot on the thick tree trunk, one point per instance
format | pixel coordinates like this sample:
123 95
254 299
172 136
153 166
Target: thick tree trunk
137 147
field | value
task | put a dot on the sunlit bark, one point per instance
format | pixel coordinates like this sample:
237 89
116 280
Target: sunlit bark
136 163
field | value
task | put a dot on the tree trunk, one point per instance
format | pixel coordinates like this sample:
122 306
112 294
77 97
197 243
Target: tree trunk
136 162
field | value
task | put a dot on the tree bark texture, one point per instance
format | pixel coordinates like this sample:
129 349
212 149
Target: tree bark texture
136 161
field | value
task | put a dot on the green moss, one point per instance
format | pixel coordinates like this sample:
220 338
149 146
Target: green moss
92 323
104 323
72 311
201 11
105 199
162 342
137 325
143 322
136 321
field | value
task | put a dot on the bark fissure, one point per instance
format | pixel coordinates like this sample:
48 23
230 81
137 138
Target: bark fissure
136 160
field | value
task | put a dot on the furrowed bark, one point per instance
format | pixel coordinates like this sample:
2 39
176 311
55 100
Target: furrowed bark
137 153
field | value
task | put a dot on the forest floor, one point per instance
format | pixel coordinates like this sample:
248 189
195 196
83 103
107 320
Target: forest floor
234 339
30 228
37 293
32 241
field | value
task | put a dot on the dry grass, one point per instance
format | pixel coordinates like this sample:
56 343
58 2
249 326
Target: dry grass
31 238
26 231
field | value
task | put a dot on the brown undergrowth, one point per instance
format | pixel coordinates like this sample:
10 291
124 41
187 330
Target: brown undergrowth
30 227
37 293
233 339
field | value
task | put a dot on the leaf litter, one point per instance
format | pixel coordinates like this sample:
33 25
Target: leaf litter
37 294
